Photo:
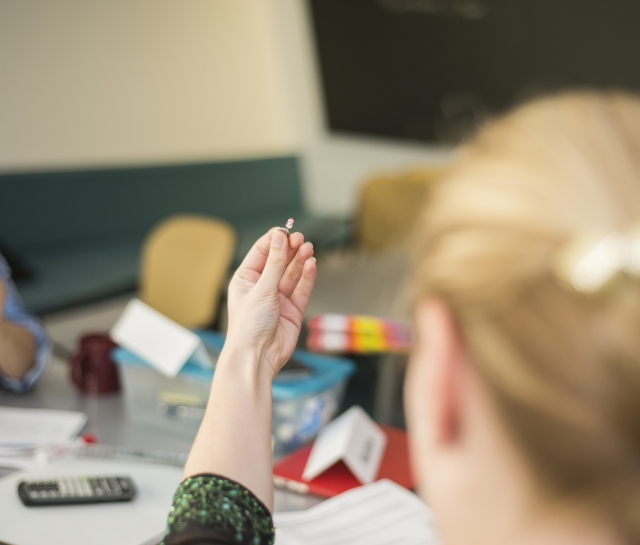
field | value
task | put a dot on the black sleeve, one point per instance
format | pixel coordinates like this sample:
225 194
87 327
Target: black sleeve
209 509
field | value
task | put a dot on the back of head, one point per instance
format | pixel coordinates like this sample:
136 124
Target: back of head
563 365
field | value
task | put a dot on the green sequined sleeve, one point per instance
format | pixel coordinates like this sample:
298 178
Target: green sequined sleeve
209 509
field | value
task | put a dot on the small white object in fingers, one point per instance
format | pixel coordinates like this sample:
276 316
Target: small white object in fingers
289 225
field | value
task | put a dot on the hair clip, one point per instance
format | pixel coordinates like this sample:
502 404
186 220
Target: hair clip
589 263
288 226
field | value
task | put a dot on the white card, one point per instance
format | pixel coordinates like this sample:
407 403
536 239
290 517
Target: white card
160 341
355 439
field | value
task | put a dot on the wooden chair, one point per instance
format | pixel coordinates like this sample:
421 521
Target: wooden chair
185 262
389 207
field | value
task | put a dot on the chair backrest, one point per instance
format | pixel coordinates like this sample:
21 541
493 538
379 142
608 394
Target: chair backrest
185 262
389 207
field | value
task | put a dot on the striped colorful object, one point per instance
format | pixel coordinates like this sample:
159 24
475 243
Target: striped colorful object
353 334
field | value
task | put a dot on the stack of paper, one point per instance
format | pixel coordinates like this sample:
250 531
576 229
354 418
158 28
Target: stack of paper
382 513
24 430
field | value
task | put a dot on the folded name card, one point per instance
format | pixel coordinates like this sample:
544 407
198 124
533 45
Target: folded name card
355 439
158 340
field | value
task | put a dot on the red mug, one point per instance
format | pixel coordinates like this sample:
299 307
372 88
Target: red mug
92 369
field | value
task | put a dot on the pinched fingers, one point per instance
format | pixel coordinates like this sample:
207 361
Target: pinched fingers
276 263
302 292
293 272
296 240
256 258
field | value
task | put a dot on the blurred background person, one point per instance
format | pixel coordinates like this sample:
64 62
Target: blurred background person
24 346
522 395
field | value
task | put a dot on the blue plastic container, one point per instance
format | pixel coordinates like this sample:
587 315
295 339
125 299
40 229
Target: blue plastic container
300 406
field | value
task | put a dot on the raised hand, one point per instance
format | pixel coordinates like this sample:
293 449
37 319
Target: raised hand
268 296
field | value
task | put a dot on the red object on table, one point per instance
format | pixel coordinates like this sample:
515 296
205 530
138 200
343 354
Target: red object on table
395 466
92 369
89 438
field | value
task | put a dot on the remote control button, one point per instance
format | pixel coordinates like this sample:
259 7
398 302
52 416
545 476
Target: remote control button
114 486
104 485
85 487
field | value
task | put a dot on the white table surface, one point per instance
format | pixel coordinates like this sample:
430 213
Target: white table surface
128 523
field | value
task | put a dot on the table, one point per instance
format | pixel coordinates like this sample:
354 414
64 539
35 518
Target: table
108 420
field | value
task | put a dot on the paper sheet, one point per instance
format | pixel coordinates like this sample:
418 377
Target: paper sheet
29 428
382 513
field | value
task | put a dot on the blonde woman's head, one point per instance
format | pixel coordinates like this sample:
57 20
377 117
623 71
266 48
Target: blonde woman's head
524 391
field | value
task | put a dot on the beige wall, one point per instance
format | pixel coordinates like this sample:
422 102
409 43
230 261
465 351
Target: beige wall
101 82
116 82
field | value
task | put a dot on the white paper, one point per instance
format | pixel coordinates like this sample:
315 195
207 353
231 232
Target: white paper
17 461
353 438
366 447
158 340
22 429
382 513
329 447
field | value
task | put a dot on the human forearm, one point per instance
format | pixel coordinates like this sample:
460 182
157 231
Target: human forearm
235 436
267 298
17 350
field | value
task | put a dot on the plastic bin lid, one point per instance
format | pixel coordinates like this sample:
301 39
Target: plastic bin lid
328 371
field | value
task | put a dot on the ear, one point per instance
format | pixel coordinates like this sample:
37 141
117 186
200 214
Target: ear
441 349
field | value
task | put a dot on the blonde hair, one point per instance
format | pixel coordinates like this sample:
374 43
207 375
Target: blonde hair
564 367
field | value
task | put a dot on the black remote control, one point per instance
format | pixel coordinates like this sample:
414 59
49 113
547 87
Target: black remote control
76 490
